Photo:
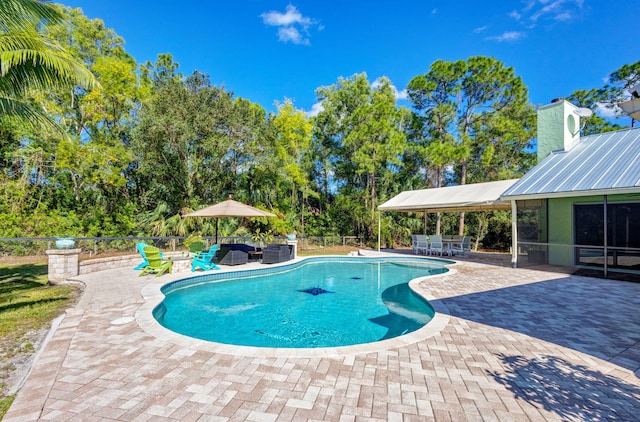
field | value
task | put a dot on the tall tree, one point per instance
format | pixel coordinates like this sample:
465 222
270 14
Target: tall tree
292 144
616 90
93 161
81 169
32 61
460 101
359 136
196 145
376 139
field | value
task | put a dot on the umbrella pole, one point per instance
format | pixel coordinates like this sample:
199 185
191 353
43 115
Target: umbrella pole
217 230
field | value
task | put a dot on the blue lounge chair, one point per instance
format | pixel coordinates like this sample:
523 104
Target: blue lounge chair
145 262
204 260
156 265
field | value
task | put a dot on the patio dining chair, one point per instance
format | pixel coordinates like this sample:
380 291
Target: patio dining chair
437 246
466 244
461 246
420 243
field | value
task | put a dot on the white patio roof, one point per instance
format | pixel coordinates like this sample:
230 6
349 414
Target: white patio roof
472 197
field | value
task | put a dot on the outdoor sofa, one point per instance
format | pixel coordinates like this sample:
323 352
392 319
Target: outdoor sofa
275 253
234 253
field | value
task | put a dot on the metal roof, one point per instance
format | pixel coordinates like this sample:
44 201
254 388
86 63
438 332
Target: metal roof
603 164
472 197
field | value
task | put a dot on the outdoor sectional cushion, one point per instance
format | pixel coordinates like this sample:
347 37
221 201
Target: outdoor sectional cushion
227 256
238 247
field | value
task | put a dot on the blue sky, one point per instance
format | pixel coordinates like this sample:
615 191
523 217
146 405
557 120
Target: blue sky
267 50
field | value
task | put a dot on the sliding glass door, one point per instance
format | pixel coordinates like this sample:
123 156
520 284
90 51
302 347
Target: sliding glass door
622 235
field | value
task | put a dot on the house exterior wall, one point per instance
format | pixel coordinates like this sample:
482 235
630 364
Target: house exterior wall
561 225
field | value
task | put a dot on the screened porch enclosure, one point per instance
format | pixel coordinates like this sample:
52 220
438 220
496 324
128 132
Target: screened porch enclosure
533 231
611 231
581 233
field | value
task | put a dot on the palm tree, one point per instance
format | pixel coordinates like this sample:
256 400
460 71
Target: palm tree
29 60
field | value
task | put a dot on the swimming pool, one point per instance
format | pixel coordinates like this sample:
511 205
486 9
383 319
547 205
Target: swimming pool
319 302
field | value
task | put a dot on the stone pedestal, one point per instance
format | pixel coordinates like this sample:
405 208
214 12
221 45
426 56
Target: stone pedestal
294 244
63 264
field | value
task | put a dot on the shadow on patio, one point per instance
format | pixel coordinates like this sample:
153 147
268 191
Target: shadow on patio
595 316
573 392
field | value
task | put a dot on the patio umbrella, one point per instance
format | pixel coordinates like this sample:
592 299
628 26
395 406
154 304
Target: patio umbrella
229 208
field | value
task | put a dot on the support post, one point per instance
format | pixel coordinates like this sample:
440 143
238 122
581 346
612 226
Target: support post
606 235
514 234
379 222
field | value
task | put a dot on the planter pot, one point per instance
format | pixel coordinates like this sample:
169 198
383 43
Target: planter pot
65 243
537 257
291 237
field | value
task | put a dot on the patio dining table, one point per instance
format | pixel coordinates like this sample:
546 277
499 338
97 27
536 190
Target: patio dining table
448 243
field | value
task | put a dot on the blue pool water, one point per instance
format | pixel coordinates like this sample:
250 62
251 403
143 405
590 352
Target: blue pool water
320 302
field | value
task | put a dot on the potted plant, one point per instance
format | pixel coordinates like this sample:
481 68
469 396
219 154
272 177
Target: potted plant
65 242
262 237
191 239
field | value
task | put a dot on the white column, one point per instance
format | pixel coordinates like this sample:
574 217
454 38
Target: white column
294 244
379 230
514 234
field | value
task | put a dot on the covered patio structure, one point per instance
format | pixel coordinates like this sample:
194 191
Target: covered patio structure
462 198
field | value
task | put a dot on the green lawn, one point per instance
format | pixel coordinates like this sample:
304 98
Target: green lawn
27 305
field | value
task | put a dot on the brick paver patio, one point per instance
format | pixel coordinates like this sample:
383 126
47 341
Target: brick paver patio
515 345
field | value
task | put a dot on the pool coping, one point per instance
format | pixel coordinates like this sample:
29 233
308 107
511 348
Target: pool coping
153 297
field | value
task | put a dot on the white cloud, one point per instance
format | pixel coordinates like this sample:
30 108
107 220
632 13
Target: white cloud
400 95
506 36
289 33
556 10
537 12
608 111
290 17
293 26
565 16
315 109
480 29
